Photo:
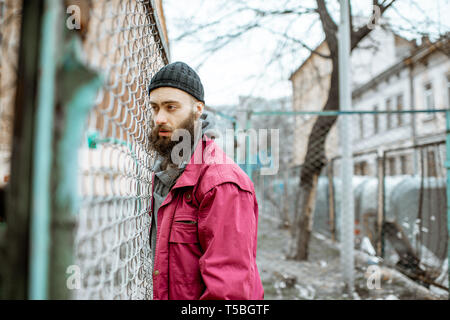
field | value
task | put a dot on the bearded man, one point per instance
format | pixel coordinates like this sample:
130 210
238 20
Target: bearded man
203 209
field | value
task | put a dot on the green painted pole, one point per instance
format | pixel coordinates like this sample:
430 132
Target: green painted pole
14 283
235 129
40 199
77 89
342 112
248 125
447 164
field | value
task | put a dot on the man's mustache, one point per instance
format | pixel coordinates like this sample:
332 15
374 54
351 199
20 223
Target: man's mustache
163 127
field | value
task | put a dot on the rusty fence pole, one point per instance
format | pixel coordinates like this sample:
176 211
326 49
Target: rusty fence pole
14 268
447 165
380 204
331 202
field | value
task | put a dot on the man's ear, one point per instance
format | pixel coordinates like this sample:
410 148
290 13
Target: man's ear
199 106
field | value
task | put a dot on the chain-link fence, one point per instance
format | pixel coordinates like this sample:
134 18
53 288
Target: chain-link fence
415 217
112 238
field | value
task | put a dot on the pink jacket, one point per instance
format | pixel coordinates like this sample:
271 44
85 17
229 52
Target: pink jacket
207 233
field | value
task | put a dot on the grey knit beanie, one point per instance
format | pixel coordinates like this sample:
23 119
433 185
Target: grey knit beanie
178 75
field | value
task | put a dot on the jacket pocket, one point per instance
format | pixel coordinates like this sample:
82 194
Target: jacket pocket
186 222
184 250
184 230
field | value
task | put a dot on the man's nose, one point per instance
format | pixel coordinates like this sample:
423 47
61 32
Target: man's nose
160 118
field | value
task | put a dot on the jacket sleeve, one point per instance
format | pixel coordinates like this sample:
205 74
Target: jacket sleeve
227 234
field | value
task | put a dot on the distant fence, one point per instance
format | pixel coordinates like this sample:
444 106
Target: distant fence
415 217
399 186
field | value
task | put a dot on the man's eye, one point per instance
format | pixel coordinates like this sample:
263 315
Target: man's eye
171 107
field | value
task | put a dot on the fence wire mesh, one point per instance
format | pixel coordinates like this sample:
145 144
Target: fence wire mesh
112 246
415 223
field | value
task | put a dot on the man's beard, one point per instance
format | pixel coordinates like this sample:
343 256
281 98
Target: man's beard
164 145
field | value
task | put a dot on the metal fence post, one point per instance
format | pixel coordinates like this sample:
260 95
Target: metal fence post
235 142
331 200
77 87
41 206
15 266
345 137
447 165
65 82
381 160
248 125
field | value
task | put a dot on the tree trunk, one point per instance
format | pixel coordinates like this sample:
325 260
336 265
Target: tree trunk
304 221
315 160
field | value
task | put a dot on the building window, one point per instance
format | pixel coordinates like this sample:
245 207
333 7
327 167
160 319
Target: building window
404 164
400 116
391 166
356 170
431 164
365 169
375 120
361 168
388 115
428 96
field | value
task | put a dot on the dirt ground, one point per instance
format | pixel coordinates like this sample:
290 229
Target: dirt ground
320 277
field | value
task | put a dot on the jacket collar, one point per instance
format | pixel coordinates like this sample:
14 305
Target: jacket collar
191 173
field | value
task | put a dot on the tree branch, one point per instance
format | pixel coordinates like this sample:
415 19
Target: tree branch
222 41
358 35
329 27
200 27
300 42
263 13
351 15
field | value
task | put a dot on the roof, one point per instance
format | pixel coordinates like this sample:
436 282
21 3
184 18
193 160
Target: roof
307 59
396 35
421 52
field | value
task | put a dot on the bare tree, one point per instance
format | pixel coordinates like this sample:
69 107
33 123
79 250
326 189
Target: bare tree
315 158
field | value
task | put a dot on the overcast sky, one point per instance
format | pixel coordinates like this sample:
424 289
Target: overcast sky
241 67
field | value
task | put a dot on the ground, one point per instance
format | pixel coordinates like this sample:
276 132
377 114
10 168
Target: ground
320 276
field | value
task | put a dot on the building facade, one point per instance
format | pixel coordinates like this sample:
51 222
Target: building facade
419 81
389 73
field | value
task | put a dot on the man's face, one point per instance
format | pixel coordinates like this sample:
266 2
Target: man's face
171 109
